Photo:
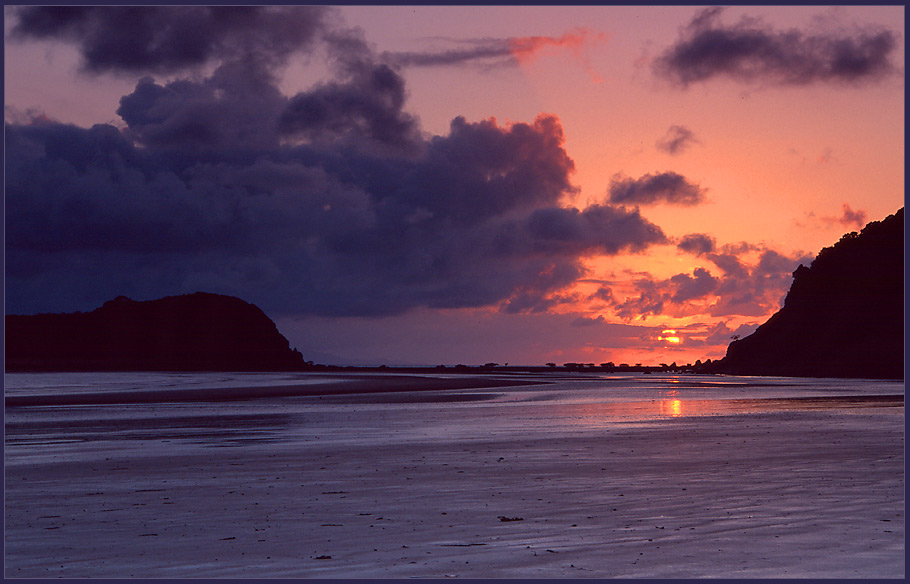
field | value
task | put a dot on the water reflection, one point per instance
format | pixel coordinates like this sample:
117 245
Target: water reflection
671 407
663 408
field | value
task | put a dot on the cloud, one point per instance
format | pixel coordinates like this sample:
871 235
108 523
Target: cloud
697 243
726 257
742 288
667 296
525 48
554 232
588 321
706 335
370 103
240 106
167 39
752 51
757 289
599 229
650 301
664 187
237 107
729 263
677 140
495 52
687 287
328 202
603 294
849 218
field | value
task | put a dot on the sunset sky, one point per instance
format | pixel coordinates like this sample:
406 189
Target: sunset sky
442 185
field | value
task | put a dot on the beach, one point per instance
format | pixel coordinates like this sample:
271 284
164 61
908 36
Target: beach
460 476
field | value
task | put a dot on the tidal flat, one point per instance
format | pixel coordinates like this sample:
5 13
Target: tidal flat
472 476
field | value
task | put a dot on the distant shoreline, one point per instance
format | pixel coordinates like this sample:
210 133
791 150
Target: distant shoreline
496 370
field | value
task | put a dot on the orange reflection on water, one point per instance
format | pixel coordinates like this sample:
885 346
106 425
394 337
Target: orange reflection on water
597 414
671 407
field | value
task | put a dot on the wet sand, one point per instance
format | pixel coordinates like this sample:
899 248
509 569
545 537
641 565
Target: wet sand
324 386
483 482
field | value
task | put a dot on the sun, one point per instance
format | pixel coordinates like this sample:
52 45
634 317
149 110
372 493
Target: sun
669 336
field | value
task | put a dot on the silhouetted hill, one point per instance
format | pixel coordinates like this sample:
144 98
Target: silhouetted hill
195 332
843 316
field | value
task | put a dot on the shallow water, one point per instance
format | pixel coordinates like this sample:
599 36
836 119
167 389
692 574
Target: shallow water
606 386
564 403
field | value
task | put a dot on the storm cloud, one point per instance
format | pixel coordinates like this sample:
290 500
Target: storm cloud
328 202
164 39
752 51
664 187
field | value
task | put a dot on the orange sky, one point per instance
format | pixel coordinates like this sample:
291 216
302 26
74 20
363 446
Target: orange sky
778 168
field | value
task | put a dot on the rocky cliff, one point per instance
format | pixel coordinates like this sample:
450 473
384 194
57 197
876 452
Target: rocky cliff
195 332
843 315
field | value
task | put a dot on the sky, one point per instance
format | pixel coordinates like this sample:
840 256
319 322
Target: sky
424 185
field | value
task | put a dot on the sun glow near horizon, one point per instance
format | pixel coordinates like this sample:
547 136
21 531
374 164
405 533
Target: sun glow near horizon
669 336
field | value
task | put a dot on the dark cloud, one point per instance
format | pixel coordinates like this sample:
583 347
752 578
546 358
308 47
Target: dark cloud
328 202
492 52
676 140
165 39
588 321
726 258
698 285
603 294
536 300
369 104
489 52
697 243
651 189
237 107
729 263
752 51
596 229
366 99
